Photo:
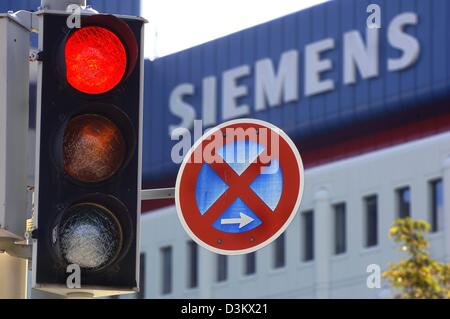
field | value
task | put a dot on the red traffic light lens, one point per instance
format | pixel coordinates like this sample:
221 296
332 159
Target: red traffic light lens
94 148
96 60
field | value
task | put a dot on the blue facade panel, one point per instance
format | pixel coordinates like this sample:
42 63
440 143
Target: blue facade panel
15 5
388 94
129 7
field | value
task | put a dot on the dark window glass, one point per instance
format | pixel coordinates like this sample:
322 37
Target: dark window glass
308 236
166 269
250 264
192 265
340 237
404 202
280 253
222 268
437 204
371 221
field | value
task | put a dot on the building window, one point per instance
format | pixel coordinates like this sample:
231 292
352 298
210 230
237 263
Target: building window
250 264
340 240
141 293
308 236
192 265
371 221
436 204
403 202
280 252
222 268
166 270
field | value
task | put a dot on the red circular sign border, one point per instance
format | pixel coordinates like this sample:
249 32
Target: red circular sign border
246 242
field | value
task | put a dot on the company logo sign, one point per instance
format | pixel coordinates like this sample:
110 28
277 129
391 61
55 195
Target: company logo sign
275 86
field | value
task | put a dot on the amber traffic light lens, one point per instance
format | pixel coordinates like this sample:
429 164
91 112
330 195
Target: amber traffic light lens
90 236
94 148
96 60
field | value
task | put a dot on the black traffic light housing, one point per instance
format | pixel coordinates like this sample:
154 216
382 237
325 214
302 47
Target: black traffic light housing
84 216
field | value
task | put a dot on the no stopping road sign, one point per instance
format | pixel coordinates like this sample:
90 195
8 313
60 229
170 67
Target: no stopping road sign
239 186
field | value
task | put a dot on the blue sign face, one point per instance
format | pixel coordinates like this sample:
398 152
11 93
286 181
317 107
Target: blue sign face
268 185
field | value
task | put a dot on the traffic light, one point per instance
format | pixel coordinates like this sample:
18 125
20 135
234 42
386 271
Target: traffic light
88 171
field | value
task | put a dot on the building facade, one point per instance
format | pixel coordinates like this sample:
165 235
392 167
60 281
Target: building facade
367 108
339 232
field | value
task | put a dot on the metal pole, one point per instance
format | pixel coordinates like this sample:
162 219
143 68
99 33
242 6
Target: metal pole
12 277
14 86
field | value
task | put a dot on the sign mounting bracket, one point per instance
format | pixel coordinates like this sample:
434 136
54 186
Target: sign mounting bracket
158 193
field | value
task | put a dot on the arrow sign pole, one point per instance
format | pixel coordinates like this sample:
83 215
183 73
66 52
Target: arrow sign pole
243 220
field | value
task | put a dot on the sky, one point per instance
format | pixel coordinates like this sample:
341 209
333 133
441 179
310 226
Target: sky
175 25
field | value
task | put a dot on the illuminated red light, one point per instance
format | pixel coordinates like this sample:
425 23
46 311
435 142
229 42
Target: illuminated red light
94 148
96 60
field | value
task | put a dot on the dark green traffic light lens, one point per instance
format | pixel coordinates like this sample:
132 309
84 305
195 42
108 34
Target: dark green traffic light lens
89 236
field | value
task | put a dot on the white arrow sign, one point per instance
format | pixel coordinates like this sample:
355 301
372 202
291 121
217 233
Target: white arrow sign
242 221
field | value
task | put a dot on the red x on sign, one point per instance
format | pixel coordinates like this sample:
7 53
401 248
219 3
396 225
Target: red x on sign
239 187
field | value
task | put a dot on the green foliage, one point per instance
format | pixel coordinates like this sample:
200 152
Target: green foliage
419 276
